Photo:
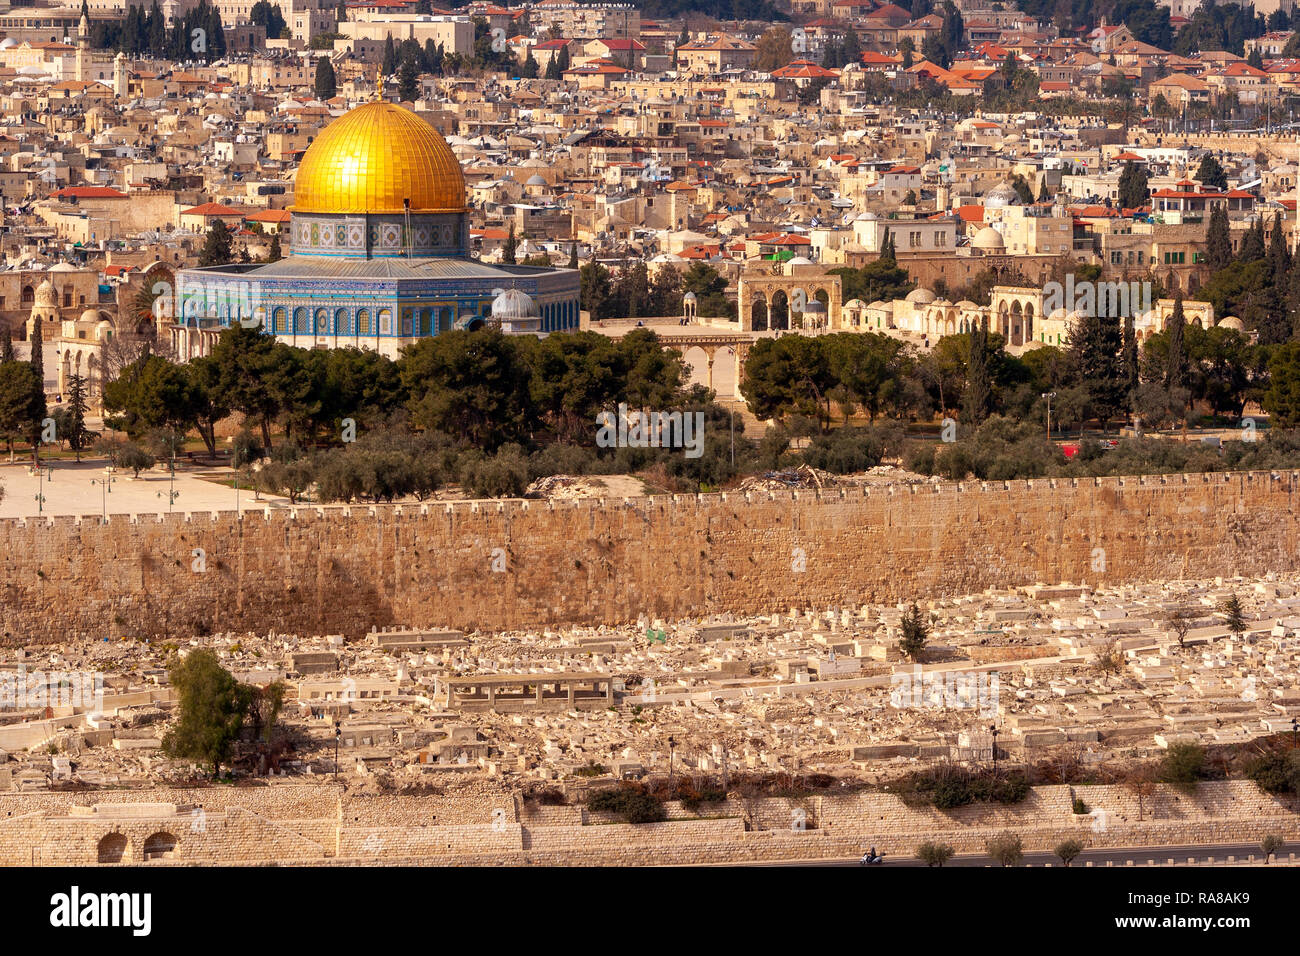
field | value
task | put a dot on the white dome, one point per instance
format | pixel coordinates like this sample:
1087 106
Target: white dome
1232 322
988 239
920 296
1002 195
513 304
799 261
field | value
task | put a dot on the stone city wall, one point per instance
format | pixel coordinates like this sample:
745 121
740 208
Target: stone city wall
258 825
509 564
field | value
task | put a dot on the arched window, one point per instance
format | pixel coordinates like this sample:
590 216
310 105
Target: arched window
444 320
425 325
300 321
341 324
385 321
322 322
280 320
407 321
363 321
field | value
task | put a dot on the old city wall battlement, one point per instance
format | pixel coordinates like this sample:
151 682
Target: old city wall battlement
506 564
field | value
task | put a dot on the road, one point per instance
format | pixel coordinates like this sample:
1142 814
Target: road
1117 856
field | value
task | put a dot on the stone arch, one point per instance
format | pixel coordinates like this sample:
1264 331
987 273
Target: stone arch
474 324
363 321
280 320
300 320
1029 322
778 310
446 319
1004 320
322 322
1171 282
28 295
341 325
758 317
1017 328
112 848
160 846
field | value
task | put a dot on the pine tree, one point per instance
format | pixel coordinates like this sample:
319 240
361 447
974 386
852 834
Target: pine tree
218 249
1252 246
326 82
408 81
1176 361
1211 174
1096 342
1134 191
74 426
1131 375
389 66
977 398
275 255
915 633
573 255
1218 241
529 69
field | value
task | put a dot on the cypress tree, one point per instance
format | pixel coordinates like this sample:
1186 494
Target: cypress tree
6 344
1096 342
326 82
573 255
1218 242
1176 362
38 346
1252 246
977 397
1131 378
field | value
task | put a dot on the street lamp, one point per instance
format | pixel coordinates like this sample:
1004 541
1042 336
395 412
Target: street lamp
1049 396
338 733
104 492
994 731
43 474
672 744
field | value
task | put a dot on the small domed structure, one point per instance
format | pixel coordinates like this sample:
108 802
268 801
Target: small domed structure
920 296
1232 322
516 313
46 297
1001 195
988 239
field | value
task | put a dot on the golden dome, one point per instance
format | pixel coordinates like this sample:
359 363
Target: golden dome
373 158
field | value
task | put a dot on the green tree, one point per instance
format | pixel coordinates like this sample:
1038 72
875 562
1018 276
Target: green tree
211 707
408 80
22 404
1067 850
1134 193
1218 240
509 249
914 633
1096 342
37 356
1006 848
1210 173
326 82
934 854
1176 367
977 396
217 245
73 428
274 254
1234 616
1182 766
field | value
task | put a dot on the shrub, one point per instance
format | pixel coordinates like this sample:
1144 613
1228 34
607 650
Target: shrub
934 854
1005 848
629 801
1080 808
1182 766
1067 850
1270 845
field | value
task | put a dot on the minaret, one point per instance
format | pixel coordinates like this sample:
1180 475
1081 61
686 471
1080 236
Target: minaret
83 49
121 85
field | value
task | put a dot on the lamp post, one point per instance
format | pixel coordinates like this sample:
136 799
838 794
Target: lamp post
672 744
338 733
104 492
994 731
1049 396
43 474
172 493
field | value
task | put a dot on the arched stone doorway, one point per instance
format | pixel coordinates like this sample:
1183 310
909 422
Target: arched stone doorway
112 848
160 846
